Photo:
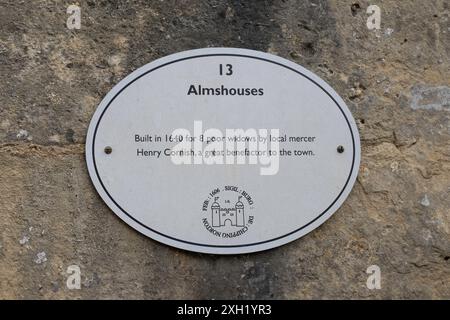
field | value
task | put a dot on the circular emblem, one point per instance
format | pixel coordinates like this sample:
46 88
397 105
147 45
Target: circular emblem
228 212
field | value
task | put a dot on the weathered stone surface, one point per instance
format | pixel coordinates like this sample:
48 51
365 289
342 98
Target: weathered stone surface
395 80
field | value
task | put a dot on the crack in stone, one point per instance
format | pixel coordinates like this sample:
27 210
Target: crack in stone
32 148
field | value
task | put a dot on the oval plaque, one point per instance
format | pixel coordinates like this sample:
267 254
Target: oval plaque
223 150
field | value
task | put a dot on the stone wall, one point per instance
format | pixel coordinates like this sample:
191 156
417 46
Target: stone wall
395 81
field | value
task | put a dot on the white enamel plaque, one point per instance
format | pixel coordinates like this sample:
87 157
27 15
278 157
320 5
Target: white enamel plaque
223 150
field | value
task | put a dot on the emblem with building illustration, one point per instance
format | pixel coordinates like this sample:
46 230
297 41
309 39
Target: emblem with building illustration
233 215
227 212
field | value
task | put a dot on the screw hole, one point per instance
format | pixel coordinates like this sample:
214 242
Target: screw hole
340 149
108 150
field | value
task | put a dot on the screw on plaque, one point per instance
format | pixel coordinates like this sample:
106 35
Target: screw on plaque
108 150
340 149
